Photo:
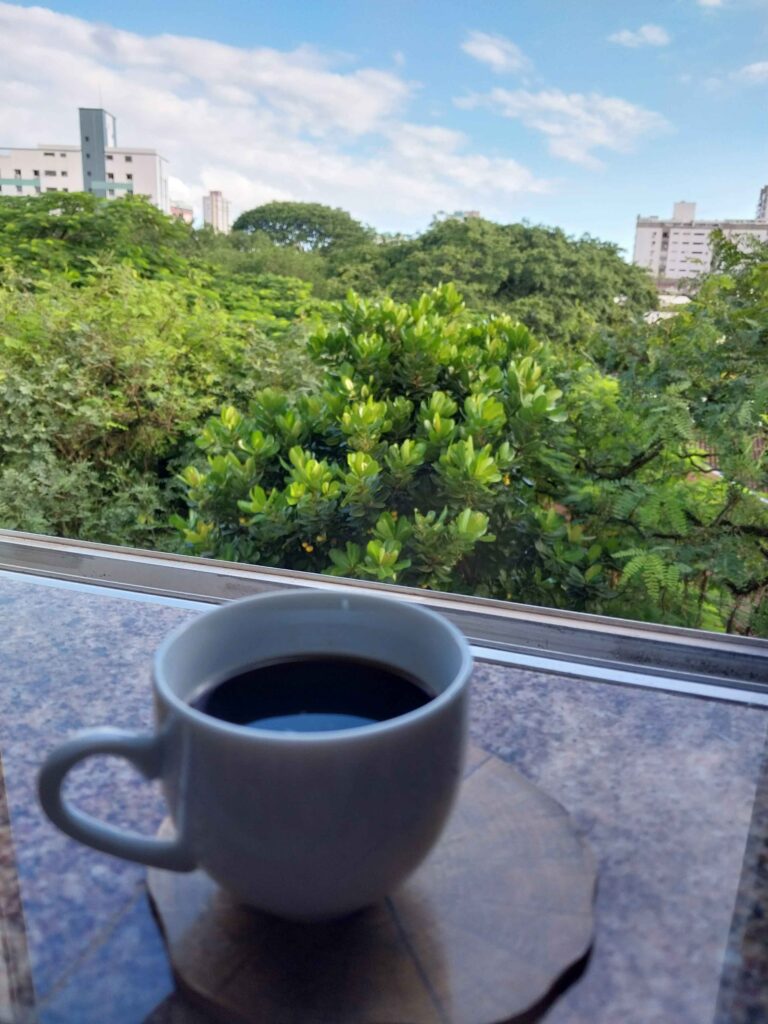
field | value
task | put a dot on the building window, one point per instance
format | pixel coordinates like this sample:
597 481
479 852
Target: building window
35 174
87 156
65 190
86 138
50 174
110 177
62 154
110 192
109 156
51 190
17 173
88 173
49 154
129 159
129 177
19 188
64 174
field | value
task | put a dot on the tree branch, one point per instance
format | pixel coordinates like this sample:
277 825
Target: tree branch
640 460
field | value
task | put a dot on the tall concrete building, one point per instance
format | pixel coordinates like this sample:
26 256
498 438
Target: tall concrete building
98 132
216 212
680 248
98 165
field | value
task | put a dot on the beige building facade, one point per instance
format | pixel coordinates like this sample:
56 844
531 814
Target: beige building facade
680 248
216 212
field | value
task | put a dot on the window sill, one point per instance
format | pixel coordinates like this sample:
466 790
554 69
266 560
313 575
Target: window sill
671 792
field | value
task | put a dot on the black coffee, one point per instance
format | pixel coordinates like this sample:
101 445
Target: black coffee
312 694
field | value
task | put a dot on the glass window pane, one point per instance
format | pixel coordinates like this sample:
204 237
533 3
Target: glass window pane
420 334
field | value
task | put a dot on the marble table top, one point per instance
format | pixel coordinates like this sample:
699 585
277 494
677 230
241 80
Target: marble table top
670 790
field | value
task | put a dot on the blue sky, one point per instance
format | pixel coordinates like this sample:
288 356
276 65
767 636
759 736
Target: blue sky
577 113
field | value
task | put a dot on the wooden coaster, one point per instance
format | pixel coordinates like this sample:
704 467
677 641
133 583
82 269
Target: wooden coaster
488 930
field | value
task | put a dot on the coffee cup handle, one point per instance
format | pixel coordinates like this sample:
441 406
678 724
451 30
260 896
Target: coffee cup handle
145 752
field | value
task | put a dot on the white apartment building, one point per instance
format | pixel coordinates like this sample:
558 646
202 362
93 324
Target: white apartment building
216 212
97 165
679 248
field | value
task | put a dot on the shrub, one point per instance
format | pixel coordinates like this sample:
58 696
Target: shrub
427 457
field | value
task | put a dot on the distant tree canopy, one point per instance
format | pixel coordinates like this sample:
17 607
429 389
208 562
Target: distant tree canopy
308 226
558 286
561 288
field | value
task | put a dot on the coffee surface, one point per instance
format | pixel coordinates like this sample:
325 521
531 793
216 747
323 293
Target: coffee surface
312 694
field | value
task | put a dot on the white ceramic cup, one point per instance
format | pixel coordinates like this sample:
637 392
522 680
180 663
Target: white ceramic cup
303 825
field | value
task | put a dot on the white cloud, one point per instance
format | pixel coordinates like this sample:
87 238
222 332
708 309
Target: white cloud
574 124
752 73
500 54
177 189
438 150
646 35
258 123
710 3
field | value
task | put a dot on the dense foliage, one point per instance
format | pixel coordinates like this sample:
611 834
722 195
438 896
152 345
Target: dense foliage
425 443
74 232
696 511
114 347
449 450
523 434
561 288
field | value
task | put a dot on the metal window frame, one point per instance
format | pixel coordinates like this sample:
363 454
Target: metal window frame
671 658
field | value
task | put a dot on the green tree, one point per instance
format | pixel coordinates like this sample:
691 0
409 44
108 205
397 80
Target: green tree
308 226
240 256
562 288
698 504
427 457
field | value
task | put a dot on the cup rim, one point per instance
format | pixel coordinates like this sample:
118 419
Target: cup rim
356 733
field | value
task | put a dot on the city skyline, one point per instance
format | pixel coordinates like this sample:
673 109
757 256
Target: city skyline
581 116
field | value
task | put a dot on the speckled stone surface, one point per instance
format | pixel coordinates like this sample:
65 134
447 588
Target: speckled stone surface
743 997
663 786
671 791
69 660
